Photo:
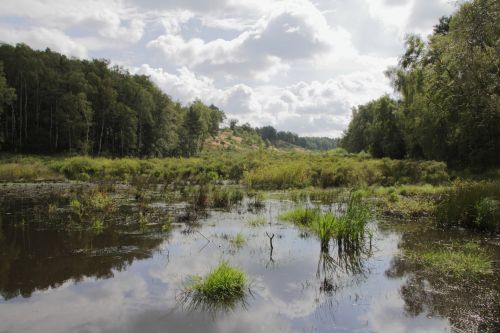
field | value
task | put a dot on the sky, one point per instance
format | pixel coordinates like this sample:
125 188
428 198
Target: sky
298 65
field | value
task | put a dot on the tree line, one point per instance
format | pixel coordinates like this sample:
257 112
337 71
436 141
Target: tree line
274 137
53 104
448 105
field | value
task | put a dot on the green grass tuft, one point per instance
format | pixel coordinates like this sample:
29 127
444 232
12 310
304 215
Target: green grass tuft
222 288
301 216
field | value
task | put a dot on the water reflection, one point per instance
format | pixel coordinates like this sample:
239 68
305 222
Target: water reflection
38 259
295 287
471 303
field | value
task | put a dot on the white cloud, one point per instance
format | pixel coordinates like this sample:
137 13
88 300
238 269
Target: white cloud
286 34
42 38
295 64
309 108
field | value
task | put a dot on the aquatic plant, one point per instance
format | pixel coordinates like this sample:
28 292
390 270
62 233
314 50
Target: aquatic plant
51 210
347 225
98 225
76 207
222 288
99 201
325 226
238 240
471 205
257 221
223 197
301 216
454 262
256 200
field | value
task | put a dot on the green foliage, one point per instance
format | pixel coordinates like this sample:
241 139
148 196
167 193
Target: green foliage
374 128
469 261
347 226
258 169
223 287
98 225
471 205
449 101
76 207
224 197
27 172
303 217
258 221
99 201
88 107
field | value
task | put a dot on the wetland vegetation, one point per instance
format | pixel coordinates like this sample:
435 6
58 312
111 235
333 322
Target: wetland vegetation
122 210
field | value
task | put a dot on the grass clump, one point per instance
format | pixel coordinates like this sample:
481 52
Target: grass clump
239 240
301 216
347 225
76 207
225 197
471 205
222 288
98 225
257 221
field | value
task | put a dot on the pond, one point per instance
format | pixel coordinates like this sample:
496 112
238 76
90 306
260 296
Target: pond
130 277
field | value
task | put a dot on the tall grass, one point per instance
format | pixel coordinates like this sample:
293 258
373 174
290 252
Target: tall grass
262 169
471 205
347 226
27 172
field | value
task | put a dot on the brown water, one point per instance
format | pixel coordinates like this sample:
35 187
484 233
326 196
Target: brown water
126 278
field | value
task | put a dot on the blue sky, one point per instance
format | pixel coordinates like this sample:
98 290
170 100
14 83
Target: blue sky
298 65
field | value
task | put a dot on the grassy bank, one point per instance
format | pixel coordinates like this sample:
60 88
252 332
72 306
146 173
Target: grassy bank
260 169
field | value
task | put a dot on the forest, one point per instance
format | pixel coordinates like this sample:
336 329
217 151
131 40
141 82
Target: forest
54 104
447 96
50 104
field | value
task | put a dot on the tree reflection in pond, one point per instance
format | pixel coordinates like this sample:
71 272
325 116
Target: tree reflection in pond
34 260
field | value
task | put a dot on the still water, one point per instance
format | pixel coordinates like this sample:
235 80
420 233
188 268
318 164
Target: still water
126 278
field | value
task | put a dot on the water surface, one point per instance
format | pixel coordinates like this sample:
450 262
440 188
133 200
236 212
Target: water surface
128 279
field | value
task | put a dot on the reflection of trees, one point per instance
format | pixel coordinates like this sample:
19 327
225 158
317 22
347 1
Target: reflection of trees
38 259
471 304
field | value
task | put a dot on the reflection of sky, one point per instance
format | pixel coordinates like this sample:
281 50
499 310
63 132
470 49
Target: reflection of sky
285 294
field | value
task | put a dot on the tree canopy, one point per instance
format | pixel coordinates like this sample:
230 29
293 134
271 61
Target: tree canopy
52 104
448 105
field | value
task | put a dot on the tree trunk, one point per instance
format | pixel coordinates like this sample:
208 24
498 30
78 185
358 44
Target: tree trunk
50 130
100 136
13 124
